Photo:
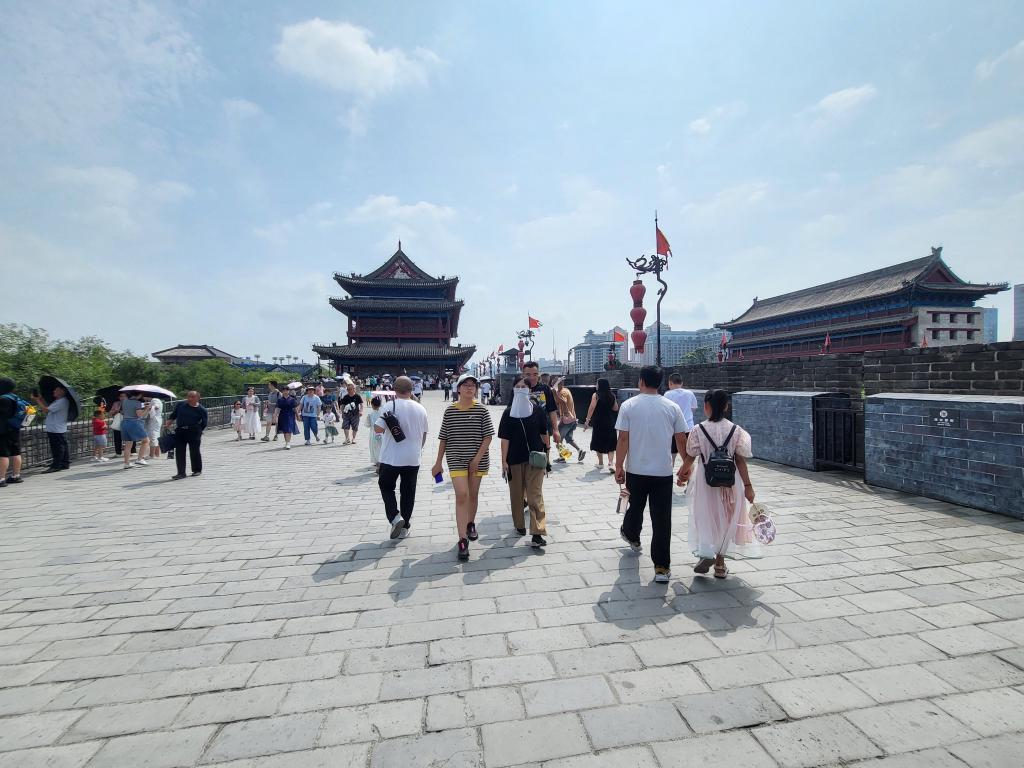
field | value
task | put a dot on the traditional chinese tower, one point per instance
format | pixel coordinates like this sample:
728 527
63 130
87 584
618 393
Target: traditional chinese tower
401 320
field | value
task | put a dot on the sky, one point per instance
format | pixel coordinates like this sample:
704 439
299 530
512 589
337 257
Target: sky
196 171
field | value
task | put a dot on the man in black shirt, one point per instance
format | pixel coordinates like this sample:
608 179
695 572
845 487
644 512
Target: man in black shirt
521 435
351 407
189 419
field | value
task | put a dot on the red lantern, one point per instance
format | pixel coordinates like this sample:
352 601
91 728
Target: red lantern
522 344
638 314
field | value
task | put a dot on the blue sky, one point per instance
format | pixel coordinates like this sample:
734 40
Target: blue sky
196 171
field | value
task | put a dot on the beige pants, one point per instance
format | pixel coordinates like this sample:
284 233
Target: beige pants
526 481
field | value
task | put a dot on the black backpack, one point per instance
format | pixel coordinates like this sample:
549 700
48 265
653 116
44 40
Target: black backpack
720 468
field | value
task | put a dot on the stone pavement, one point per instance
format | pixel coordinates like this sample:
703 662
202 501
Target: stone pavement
258 617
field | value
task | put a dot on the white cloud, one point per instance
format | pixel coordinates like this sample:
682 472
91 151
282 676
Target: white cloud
719 115
388 208
592 211
841 104
997 145
318 216
339 56
73 69
241 109
914 185
1012 57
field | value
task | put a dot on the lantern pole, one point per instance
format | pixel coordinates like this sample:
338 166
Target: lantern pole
653 264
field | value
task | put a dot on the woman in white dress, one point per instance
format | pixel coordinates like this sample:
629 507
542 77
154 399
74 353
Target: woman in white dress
719 525
251 422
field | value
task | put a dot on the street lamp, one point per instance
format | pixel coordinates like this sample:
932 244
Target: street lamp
525 340
643 266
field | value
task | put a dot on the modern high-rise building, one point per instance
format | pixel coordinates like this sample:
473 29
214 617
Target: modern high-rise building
989 325
675 345
1018 312
592 355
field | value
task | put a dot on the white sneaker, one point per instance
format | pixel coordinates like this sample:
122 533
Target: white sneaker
141 463
127 466
662 577
397 525
287 446
308 443
104 458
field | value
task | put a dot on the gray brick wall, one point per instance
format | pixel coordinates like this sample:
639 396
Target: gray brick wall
979 463
780 425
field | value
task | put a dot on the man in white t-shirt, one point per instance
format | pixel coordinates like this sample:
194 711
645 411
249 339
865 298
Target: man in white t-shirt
400 460
647 423
687 403
485 392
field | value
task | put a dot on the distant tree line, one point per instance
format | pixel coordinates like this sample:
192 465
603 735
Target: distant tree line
90 364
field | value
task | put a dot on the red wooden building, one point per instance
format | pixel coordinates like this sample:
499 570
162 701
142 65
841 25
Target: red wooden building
916 303
400 320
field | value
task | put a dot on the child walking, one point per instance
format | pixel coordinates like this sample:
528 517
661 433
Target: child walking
237 416
375 439
99 435
330 420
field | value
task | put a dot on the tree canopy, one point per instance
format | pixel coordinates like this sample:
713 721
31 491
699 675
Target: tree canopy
90 364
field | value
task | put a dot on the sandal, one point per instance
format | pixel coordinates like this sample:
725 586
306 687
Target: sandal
704 565
721 571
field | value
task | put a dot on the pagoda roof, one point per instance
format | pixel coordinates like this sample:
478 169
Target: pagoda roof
197 351
364 304
928 273
390 351
820 331
397 270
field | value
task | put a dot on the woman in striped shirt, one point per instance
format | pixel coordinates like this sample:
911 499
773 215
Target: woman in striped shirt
465 436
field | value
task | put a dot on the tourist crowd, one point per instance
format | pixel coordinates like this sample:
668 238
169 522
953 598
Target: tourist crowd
640 439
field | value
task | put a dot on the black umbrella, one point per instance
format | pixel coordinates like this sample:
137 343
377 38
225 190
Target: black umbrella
107 395
46 386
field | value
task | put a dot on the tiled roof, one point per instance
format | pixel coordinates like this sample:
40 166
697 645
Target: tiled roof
820 331
929 272
198 351
403 305
401 262
383 351
359 281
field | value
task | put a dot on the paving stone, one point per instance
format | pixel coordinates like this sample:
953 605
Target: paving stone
961 641
724 710
362 660
465 648
635 757
372 722
998 752
898 649
654 684
474 707
418 683
909 726
736 671
813 742
35 730
823 631
889 623
457 749
333 692
970 673
73 756
228 706
1011 630
547 639
313 667
342 756
989 713
736 748
268 736
629 724
163 749
814 696
552 696
509 671
266 650
536 739
123 719
675 650
928 758
819 660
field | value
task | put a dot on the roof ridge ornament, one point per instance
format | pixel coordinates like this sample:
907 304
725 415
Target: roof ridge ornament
936 252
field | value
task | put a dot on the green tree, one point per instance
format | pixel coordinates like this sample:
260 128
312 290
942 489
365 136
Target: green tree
699 356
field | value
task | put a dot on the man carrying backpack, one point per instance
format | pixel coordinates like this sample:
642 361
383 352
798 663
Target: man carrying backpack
12 415
647 424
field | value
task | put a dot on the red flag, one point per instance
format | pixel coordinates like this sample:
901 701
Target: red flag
828 341
618 336
501 348
663 248
724 341
924 340
534 322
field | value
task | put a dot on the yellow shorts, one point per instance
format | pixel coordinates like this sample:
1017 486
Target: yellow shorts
465 473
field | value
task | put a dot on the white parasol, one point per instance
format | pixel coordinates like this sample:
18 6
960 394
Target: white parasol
295 385
151 390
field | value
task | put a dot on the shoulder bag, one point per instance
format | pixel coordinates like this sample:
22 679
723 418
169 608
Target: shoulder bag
538 459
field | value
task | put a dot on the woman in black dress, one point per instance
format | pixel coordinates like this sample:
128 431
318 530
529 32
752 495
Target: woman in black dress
601 417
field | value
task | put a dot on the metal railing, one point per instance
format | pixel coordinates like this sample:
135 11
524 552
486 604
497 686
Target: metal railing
35 446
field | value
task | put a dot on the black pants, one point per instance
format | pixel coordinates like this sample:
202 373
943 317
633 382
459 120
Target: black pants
117 441
389 475
60 457
658 491
191 438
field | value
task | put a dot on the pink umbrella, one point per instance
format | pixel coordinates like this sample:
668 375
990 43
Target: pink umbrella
151 390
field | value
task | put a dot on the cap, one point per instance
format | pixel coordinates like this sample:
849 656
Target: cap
467 377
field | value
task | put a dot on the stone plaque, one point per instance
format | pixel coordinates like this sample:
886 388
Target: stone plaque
945 417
